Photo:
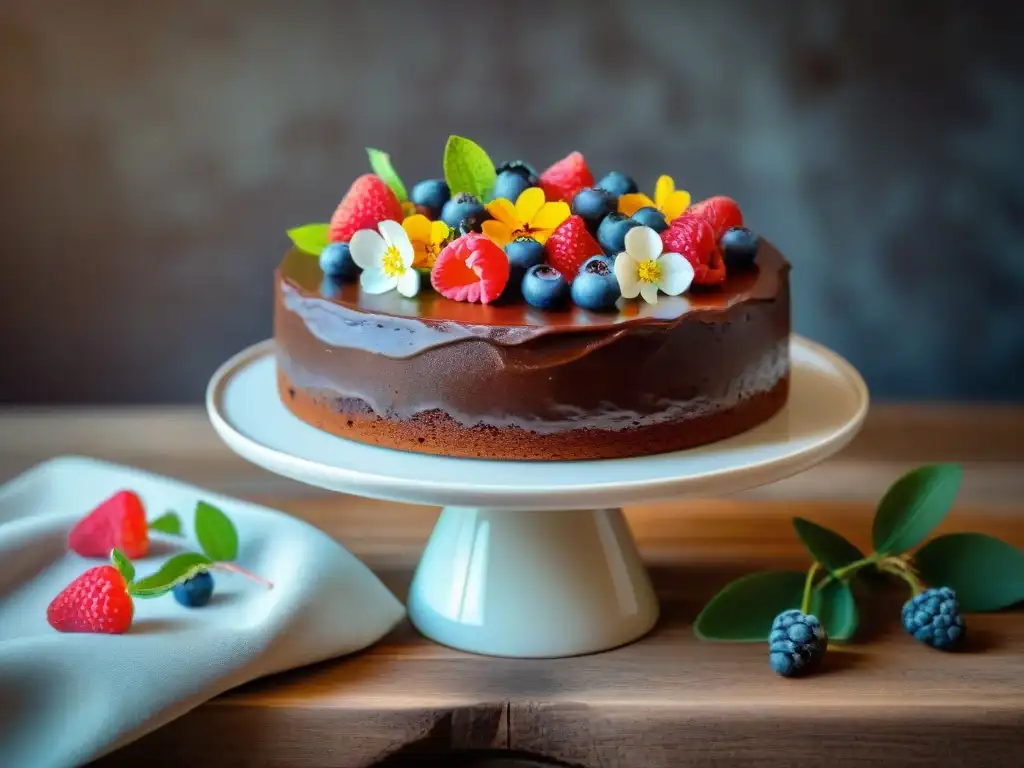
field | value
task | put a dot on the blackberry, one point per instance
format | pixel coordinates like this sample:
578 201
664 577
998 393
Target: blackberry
933 618
797 643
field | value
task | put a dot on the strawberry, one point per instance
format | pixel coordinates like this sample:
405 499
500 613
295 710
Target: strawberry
569 246
368 202
119 522
721 212
566 177
97 601
693 237
471 268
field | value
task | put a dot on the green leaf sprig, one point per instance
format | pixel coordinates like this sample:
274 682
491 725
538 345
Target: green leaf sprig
468 168
218 539
986 574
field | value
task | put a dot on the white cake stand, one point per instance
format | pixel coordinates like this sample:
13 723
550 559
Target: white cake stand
535 559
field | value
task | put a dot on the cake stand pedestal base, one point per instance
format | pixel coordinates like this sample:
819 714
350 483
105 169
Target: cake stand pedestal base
532 583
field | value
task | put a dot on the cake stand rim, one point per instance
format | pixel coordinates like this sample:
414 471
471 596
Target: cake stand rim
615 493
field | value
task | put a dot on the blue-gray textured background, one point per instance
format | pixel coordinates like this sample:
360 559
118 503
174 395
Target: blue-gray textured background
152 155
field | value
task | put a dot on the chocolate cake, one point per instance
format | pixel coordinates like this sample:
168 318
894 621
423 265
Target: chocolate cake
586 322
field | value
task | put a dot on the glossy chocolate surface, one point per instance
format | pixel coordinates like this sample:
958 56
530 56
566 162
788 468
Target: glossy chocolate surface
545 372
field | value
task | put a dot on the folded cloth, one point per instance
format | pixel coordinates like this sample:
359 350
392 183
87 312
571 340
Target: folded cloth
66 699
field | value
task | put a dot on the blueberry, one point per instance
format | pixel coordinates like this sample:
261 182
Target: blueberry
464 213
510 185
521 167
739 247
797 643
653 218
523 253
544 287
593 205
429 197
336 262
611 234
618 184
196 592
595 287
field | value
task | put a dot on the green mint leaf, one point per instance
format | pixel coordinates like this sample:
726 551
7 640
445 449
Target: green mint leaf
123 564
986 573
311 238
178 569
168 523
380 162
836 609
217 535
825 545
467 168
913 506
743 611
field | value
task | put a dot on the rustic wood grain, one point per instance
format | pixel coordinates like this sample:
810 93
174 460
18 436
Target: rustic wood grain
669 700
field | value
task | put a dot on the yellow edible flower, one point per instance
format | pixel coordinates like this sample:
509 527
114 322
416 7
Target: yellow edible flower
531 216
428 239
667 199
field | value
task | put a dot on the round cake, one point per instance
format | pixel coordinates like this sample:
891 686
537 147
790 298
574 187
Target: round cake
503 314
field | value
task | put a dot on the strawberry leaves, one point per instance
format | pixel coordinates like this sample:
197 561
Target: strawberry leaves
176 570
216 533
168 523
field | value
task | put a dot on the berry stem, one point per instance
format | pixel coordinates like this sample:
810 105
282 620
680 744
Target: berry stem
856 565
900 567
805 604
232 568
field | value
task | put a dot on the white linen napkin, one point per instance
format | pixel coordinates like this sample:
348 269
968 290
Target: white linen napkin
66 699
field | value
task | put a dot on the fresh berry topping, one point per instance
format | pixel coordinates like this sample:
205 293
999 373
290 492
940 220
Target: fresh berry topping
570 245
693 237
97 601
544 287
566 177
721 213
651 217
510 185
368 202
596 287
336 262
617 184
464 213
117 523
739 248
195 592
429 197
797 643
521 167
471 268
933 618
612 232
523 253
593 205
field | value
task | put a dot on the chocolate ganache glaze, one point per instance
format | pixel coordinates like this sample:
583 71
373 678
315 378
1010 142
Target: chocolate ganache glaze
507 381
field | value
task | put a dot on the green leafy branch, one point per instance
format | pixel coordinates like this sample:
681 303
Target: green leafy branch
986 574
218 539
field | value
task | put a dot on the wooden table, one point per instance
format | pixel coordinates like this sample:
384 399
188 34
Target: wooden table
669 700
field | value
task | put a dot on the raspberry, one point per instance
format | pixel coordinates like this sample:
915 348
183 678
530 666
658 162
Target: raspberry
566 177
570 245
119 522
797 643
692 237
97 601
721 212
933 618
368 202
470 268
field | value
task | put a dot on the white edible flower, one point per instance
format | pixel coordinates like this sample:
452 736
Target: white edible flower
642 269
386 259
